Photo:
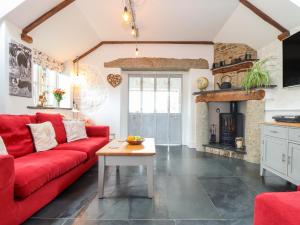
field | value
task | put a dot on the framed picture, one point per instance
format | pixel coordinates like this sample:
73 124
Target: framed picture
20 70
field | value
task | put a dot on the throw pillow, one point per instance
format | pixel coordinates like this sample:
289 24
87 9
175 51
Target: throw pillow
56 120
75 130
3 150
43 136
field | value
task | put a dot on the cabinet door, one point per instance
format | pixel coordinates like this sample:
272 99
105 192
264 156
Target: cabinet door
275 154
293 162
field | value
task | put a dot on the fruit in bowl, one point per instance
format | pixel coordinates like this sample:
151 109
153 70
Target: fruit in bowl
135 140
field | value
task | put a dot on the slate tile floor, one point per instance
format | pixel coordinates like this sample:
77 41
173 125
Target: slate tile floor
192 188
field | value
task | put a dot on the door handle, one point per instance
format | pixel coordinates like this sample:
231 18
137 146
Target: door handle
283 158
274 131
289 160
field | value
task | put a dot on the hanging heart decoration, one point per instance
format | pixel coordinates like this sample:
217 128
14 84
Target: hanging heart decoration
114 79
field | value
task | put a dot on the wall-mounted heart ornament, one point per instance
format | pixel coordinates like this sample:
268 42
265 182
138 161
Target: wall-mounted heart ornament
114 79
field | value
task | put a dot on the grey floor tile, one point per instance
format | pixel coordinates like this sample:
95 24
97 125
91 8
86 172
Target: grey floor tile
96 222
152 222
186 198
43 221
231 196
214 222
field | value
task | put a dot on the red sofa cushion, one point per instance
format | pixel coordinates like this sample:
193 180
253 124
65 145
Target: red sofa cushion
33 171
89 145
277 209
56 120
16 134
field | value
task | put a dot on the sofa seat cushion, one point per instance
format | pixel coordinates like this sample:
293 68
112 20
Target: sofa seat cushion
33 171
89 145
16 134
57 122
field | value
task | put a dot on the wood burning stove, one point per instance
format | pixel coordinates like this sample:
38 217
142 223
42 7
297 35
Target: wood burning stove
231 125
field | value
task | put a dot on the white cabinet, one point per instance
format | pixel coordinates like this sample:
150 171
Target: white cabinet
294 162
275 154
281 151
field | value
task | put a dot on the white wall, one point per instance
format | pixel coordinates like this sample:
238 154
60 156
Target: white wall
279 100
13 104
114 110
2 64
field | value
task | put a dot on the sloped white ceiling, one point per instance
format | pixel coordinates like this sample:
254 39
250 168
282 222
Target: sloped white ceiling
244 26
29 10
86 22
159 20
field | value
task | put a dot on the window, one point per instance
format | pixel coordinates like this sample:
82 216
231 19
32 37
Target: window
296 2
45 80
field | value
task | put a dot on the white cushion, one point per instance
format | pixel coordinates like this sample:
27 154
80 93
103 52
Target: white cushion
75 130
43 136
3 150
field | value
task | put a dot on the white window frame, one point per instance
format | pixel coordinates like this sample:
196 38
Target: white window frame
37 87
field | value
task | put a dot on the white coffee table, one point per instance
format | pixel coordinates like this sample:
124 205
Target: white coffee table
118 153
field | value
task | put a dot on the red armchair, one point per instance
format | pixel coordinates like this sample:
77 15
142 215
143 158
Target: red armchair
277 208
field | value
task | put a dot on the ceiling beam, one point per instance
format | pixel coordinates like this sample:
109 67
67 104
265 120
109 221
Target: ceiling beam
25 37
141 42
284 32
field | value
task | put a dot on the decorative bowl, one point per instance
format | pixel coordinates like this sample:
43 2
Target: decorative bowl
133 142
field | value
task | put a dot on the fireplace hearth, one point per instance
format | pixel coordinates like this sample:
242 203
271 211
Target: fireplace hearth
231 125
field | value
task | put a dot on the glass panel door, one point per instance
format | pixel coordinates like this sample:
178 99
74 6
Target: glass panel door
162 110
155 107
175 110
148 110
135 106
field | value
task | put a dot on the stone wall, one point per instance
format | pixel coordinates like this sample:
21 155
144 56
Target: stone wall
228 52
202 132
254 115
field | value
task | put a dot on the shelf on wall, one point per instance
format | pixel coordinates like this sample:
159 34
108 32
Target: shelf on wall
240 66
233 89
47 107
229 96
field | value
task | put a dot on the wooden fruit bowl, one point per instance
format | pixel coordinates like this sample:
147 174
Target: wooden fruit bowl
135 142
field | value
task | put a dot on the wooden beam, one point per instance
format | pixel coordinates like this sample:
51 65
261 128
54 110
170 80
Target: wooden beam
228 96
284 32
43 18
26 38
141 42
284 35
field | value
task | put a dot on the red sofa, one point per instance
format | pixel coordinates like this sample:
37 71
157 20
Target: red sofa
277 208
29 180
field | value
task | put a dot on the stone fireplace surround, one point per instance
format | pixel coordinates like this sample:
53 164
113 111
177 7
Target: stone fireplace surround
253 111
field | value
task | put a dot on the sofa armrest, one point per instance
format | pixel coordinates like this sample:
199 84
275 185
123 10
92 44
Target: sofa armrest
97 131
277 208
7 180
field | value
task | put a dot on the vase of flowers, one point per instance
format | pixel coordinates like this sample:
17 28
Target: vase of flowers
58 95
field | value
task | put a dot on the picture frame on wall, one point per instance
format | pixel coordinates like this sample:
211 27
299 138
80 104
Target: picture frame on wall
20 70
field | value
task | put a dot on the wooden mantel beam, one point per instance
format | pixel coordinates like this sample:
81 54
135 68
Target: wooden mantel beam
229 96
25 37
141 42
284 32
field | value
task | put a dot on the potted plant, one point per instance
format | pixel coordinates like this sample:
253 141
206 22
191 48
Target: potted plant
257 76
58 95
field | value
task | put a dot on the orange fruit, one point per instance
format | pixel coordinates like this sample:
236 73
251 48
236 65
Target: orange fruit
130 138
